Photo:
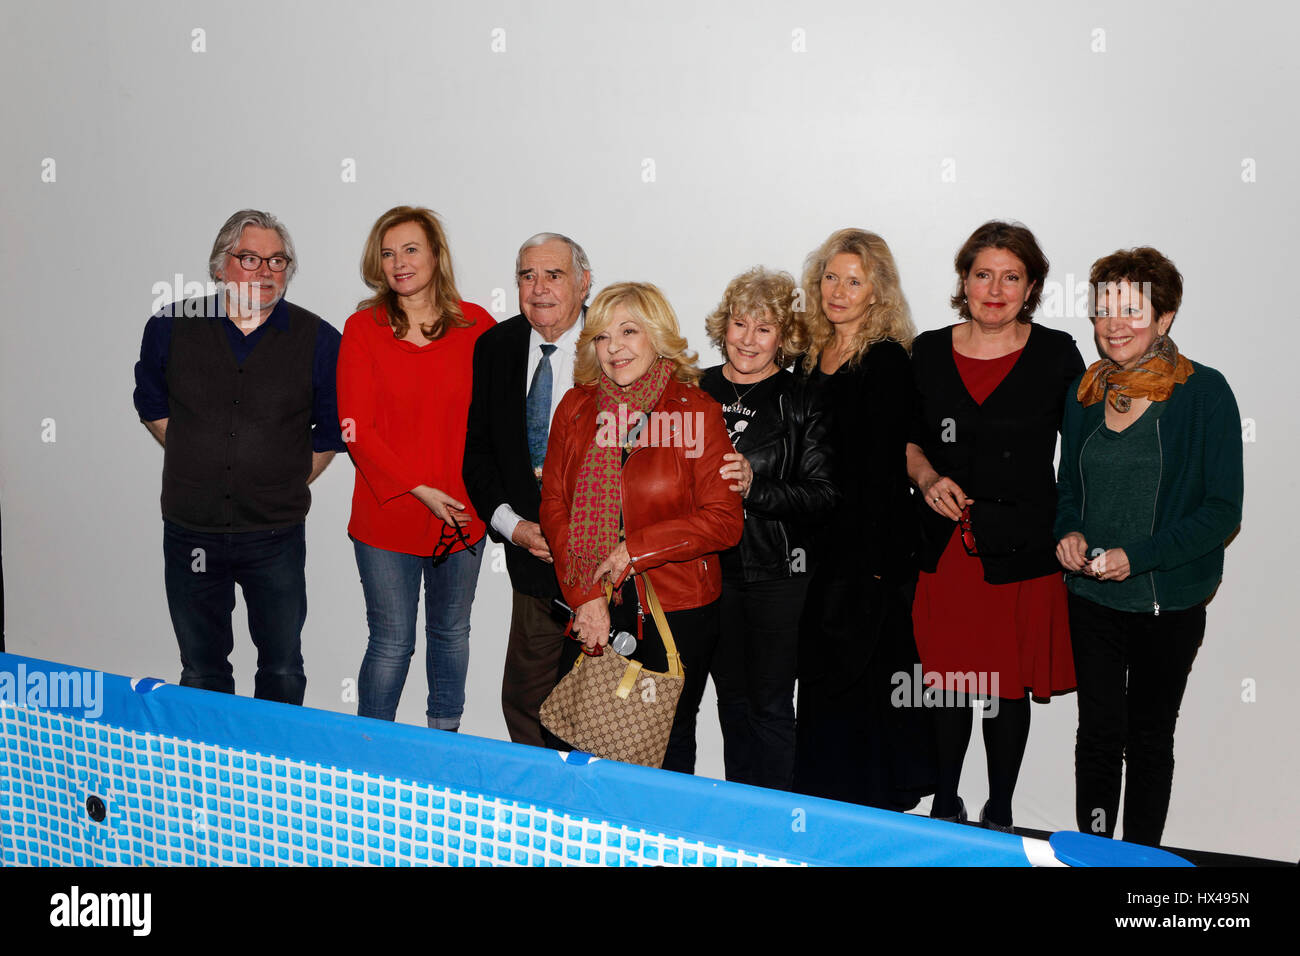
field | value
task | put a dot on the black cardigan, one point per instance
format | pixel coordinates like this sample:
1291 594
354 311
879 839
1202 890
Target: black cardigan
1000 453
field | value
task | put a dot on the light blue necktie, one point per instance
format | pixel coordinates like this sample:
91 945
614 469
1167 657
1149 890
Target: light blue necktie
538 410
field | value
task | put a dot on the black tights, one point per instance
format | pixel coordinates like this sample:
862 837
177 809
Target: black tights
1005 736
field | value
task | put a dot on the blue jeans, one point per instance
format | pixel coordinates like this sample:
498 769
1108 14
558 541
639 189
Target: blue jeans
391 583
201 573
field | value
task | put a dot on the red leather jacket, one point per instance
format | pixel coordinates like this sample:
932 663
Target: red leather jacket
677 511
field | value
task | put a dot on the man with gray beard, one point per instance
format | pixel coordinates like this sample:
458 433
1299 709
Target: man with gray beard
238 388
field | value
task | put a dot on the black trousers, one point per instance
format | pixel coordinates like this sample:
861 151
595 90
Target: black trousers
695 632
753 672
1132 669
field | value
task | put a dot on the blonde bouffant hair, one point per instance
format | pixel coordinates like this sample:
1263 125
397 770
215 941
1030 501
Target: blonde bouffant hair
766 296
887 319
647 305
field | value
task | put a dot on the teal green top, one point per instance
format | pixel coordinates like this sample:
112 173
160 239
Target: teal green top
1198 503
1121 470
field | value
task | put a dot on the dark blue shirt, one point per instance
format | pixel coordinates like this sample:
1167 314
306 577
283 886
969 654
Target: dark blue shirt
151 371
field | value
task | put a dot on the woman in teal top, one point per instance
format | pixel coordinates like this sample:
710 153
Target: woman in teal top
1149 488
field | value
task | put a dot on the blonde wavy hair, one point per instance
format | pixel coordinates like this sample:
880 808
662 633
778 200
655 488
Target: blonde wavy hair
385 302
647 305
767 296
887 319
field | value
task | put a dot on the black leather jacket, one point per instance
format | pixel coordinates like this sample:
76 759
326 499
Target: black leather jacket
787 445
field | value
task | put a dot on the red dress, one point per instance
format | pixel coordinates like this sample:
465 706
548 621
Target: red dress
1013 637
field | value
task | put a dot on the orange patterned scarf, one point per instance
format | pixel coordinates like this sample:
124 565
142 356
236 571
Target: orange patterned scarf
1154 377
597 496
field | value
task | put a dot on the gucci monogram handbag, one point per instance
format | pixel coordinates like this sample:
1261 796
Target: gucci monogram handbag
614 708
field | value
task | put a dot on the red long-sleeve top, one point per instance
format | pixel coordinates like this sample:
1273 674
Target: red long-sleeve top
403 410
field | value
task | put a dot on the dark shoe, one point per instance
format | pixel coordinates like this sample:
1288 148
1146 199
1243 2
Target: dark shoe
988 824
960 817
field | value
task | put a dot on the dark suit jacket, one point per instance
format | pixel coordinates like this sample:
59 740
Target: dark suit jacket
497 467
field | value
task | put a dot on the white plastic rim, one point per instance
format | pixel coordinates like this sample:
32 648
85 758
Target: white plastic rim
1040 852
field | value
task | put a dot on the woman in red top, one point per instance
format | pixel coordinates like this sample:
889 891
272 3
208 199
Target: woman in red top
404 379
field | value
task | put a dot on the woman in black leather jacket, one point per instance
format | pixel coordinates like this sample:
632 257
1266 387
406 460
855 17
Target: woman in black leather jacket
782 468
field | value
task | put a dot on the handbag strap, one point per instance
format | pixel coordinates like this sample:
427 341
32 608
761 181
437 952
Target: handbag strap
665 632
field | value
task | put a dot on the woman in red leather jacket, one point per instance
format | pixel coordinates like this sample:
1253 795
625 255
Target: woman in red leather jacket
632 487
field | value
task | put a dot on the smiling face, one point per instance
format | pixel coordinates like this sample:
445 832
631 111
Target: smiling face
550 291
1125 324
996 288
408 260
846 292
258 289
751 344
623 349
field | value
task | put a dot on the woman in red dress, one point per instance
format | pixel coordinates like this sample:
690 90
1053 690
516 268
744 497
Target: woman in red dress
990 612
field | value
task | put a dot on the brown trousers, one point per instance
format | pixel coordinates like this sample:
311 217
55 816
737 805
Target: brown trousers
534 658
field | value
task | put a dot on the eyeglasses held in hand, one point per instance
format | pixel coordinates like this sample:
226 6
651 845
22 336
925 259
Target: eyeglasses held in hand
967 535
451 533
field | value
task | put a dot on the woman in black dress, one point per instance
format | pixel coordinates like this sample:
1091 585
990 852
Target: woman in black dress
856 634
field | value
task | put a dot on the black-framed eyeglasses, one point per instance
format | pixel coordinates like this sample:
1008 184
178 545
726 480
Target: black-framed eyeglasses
451 533
252 262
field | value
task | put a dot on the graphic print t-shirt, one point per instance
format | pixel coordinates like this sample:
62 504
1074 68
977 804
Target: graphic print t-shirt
740 403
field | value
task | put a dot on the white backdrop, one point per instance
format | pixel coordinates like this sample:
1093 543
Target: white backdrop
680 143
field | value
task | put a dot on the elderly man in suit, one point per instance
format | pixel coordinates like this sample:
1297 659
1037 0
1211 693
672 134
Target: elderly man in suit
522 368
